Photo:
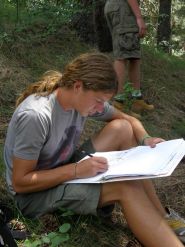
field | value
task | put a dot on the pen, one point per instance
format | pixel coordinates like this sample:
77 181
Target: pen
86 153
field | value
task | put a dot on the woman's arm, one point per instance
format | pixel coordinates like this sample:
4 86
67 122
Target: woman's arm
27 179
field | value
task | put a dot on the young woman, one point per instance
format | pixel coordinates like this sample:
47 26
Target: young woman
41 150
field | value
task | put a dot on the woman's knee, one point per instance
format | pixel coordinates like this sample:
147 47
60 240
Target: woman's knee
116 135
123 132
120 125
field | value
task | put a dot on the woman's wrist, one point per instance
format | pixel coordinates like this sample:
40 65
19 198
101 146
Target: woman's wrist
75 170
142 142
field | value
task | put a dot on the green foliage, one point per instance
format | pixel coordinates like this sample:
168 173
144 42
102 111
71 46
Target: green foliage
25 11
178 127
172 61
34 10
178 27
150 10
62 212
7 12
52 239
36 20
52 12
128 99
18 16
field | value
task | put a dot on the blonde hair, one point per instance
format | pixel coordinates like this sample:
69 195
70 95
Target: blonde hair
45 86
95 70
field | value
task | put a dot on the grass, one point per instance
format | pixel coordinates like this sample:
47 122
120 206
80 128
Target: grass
163 84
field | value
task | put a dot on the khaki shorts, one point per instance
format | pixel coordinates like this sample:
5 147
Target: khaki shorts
80 198
123 28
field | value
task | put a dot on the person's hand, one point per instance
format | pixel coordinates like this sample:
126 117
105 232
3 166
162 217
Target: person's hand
142 27
91 167
152 141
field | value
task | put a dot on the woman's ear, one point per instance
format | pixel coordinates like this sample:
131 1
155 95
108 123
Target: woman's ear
78 85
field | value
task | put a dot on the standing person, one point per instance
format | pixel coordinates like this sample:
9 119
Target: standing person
127 26
41 150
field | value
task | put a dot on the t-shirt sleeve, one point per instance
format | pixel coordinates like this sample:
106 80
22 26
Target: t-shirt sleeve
31 133
106 114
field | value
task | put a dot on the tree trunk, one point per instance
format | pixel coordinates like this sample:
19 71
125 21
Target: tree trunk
91 26
164 26
17 10
102 33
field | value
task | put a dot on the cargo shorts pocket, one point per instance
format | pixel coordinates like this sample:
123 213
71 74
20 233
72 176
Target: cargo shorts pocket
129 41
112 13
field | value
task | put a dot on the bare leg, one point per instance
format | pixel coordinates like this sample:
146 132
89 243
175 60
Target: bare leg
141 215
134 73
151 192
142 208
118 135
120 68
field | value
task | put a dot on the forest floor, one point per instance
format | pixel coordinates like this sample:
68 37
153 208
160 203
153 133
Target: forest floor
163 85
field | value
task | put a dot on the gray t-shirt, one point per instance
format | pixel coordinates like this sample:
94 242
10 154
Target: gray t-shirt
41 130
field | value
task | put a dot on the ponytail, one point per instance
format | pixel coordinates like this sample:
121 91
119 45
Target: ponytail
49 82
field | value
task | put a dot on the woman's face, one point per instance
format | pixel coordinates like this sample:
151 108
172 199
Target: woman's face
88 102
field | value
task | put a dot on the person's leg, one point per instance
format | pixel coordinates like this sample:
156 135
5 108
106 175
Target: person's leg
120 68
141 215
116 135
134 73
134 76
139 104
174 220
151 192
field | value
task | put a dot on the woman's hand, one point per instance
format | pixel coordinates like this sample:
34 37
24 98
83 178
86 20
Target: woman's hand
91 167
152 141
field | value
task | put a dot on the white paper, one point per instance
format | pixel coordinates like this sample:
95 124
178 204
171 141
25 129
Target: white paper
140 162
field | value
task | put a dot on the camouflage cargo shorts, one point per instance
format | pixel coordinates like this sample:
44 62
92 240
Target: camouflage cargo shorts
123 28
